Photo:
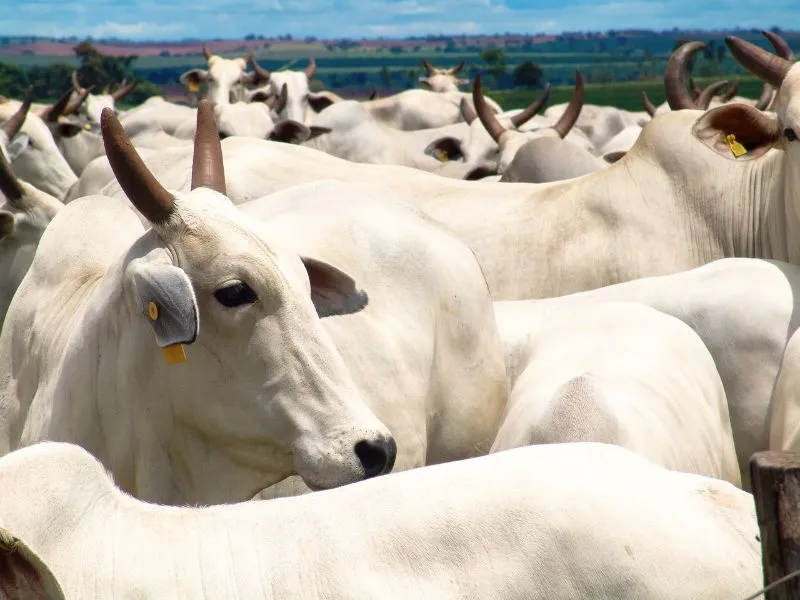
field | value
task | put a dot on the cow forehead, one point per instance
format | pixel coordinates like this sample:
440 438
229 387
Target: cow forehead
294 80
789 98
221 69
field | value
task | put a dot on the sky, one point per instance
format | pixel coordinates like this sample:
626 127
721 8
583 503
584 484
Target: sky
206 19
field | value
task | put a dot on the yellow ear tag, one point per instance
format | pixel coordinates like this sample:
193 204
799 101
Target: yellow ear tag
87 126
194 86
174 354
153 310
442 156
736 148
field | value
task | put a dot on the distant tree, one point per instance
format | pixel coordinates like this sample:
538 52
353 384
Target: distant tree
527 74
450 46
164 53
495 60
396 49
250 37
101 71
721 51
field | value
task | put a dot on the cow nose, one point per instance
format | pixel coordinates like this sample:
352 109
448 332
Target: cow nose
377 457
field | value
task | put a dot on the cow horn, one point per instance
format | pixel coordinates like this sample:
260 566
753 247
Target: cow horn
55 110
648 106
727 96
9 184
75 85
135 179
781 46
206 53
570 116
207 167
457 69
262 74
75 104
759 62
247 56
373 94
14 124
764 100
485 114
693 88
675 76
467 112
124 89
311 68
526 115
427 66
704 99
106 89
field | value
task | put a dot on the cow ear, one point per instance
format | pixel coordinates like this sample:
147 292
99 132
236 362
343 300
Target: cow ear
612 157
444 149
333 292
194 78
737 131
479 173
318 102
166 299
7 223
17 146
290 132
260 96
425 81
68 130
317 131
23 574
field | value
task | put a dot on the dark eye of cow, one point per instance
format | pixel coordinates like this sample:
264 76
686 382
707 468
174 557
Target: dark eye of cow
237 294
789 134
222 135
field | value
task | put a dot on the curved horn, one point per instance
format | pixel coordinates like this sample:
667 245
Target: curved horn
76 102
14 124
262 74
311 68
704 99
206 53
457 69
781 46
467 112
727 96
534 107
570 116
373 94
9 184
124 89
759 62
675 76
648 106
485 114
693 88
55 110
207 168
135 179
247 56
75 85
427 66
765 99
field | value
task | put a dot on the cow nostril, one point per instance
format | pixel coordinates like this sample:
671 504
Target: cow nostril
377 457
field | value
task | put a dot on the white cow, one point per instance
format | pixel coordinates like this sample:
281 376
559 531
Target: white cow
25 575
297 107
34 154
540 522
225 77
618 373
92 105
442 80
296 406
119 290
156 114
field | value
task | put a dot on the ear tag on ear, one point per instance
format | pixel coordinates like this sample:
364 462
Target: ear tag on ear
736 148
87 126
442 155
174 354
194 86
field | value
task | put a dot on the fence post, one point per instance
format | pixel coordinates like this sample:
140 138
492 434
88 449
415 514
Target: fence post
775 479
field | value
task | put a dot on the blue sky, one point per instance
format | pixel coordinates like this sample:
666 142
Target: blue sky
177 19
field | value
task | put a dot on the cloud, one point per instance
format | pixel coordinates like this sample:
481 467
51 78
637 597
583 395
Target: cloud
177 19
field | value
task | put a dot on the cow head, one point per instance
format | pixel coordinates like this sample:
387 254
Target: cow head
225 77
264 393
92 105
296 83
24 215
33 152
442 80
510 141
755 132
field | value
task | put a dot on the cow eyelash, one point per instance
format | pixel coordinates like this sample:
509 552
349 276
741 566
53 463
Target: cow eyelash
237 294
789 134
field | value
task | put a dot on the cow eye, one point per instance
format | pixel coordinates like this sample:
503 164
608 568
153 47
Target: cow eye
789 134
222 135
237 294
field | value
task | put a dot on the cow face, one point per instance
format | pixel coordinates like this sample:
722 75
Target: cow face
224 79
252 379
442 80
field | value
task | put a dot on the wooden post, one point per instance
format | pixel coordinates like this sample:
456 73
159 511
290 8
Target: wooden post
775 478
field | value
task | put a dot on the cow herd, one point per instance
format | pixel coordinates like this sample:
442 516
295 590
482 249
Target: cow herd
286 344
